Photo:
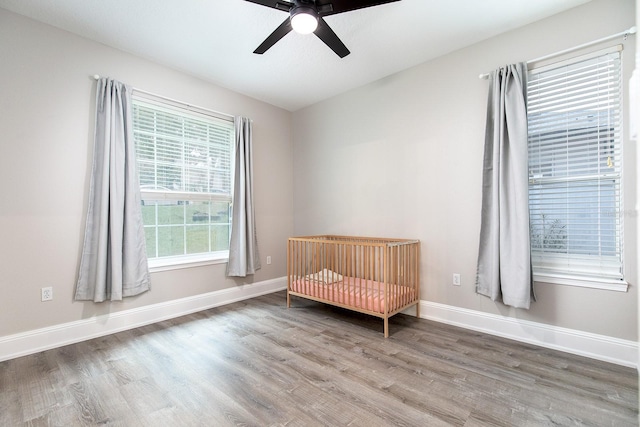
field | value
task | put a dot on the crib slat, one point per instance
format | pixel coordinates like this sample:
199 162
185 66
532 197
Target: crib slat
364 301
289 277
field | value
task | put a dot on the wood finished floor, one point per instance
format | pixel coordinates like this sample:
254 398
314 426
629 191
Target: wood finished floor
257 363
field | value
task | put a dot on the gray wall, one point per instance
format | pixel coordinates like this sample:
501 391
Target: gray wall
46 141
402 157
637 121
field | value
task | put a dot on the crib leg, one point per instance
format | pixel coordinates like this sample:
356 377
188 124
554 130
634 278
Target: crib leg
288 300
386 327
418 310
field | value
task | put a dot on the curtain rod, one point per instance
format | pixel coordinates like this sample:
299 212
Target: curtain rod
624 34
175 101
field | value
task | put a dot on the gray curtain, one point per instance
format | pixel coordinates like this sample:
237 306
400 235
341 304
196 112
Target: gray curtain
504 259
114 260
244 257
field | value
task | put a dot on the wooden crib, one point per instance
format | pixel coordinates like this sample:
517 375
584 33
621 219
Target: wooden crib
375 276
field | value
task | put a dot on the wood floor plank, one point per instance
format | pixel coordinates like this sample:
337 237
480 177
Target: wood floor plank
257 363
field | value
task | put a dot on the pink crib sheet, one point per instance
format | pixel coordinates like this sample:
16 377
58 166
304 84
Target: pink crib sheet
355 292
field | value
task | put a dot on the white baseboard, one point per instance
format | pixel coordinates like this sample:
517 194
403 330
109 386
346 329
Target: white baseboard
22 344
614 350
601 347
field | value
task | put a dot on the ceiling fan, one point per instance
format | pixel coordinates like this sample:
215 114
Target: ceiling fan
305 17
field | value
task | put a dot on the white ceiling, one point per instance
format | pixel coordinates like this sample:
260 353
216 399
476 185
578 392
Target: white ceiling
214 39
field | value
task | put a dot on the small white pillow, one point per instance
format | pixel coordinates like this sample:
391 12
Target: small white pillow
325 275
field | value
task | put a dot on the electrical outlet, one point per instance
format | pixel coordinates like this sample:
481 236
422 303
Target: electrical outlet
268 259
47 293
456 279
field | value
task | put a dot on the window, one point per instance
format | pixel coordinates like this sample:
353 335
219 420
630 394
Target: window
184 163
575 170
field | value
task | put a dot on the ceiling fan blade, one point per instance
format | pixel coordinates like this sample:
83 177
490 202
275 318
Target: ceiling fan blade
275 4
277 34
339 6
326 34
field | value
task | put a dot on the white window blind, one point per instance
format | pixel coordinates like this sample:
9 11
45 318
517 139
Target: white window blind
575 167
182 151
183 157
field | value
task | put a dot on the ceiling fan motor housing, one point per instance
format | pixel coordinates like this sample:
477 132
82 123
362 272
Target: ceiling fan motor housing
310 10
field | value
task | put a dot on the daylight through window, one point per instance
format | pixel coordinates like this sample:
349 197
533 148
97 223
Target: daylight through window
575 168
184 164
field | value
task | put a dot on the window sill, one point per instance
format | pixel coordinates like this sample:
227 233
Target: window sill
176 263
593 283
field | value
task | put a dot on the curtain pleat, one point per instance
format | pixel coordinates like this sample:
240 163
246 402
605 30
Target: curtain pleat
114 260
244 258
504 258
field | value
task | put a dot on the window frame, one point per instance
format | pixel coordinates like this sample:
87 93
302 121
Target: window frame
163 263
602 280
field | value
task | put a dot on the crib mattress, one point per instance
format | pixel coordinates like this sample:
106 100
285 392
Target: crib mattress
356 292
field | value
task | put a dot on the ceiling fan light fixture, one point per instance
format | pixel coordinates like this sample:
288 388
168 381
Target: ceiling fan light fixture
304 20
